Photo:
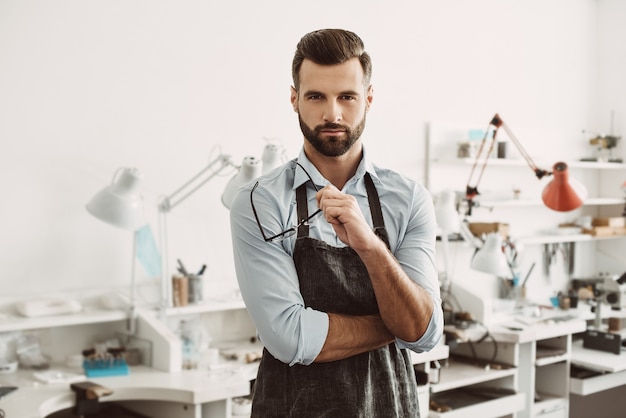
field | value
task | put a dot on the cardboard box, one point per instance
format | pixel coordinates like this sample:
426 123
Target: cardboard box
605 231
616 221
482 228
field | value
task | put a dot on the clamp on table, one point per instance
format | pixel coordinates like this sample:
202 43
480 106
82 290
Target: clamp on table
88 396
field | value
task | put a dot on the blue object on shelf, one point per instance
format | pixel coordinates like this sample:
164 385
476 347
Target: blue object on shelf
102 368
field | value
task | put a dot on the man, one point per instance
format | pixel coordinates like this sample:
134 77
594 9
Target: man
337 299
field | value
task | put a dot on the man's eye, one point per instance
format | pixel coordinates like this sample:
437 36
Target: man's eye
349 98
315 97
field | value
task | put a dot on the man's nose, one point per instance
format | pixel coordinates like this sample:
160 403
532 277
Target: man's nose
332 112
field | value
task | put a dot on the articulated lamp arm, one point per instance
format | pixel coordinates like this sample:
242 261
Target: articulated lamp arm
212 169
560 195
187 189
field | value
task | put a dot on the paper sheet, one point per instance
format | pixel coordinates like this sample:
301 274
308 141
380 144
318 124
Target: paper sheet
147 251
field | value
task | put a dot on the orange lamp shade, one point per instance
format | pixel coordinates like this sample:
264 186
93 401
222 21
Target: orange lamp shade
563 194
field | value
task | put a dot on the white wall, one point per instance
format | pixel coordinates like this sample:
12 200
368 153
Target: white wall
87 87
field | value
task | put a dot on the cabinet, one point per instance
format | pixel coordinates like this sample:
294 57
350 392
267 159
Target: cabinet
467 389
550 376
423 363
510 193
154 389
514 373
598 378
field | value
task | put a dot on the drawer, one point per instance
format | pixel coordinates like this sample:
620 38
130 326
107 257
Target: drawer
552 408
593 382
464 404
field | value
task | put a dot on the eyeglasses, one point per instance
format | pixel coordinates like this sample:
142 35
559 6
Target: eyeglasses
291 231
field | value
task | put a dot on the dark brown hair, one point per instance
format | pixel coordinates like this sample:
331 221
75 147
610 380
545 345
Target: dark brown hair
330 47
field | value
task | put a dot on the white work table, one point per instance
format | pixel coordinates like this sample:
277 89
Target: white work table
520 329
521 333
189 387
193 389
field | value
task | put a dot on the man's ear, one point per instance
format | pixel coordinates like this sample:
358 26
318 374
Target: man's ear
294 99
369 97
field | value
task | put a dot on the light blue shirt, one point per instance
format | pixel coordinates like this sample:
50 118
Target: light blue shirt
266 272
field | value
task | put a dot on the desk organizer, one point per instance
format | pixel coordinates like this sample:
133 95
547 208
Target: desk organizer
102 368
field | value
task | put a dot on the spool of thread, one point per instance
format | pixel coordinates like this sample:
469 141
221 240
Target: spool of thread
615 324
180 286
501 149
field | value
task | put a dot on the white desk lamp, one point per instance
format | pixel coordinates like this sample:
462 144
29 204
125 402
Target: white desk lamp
273 156
490 258
120 205
250 169
212 169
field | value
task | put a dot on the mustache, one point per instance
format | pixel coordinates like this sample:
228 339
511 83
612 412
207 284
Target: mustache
330 126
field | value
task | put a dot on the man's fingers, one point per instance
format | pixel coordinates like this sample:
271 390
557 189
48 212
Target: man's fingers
328 192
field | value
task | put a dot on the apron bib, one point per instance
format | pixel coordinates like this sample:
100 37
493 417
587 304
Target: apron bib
378 383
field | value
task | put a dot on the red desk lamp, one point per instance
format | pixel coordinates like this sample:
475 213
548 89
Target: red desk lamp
561 194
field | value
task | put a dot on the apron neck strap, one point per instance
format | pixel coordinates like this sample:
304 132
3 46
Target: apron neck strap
377 214
302 203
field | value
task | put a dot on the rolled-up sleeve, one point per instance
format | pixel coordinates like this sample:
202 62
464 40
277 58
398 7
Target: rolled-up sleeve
415 252
269 284
432 335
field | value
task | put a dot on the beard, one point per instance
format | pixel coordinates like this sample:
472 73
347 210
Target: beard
336 145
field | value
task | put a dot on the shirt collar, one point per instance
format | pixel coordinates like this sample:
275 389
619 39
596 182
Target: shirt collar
300 177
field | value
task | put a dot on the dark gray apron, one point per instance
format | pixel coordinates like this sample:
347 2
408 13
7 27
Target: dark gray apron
379 383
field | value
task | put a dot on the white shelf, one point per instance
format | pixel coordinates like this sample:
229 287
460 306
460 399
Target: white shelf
604 201
511 162
540 362
207 307
512 203
458 374
17 323
596 165
553 239
504 406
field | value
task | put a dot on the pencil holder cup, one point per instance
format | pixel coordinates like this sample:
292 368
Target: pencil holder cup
195 288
